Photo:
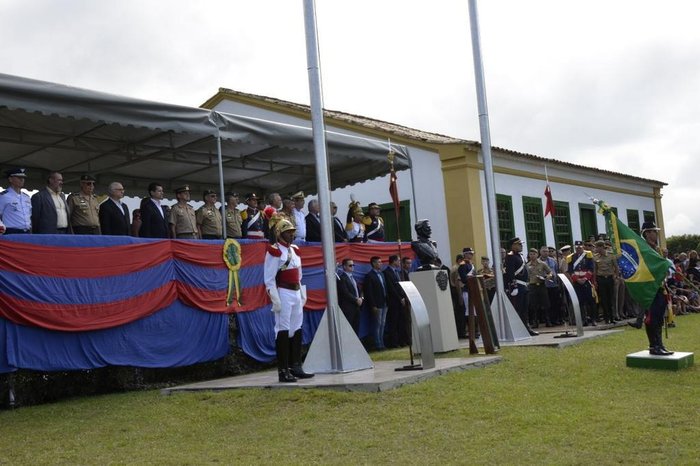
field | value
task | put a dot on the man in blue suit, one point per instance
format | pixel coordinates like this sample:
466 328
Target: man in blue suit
349 294
375 296
154 220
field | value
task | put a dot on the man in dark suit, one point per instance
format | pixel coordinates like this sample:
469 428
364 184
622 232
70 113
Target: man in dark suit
375 296
49 209
154 221
395 301
114 214
349 295
313 222
339 233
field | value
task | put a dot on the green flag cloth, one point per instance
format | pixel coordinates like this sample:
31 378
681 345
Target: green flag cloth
642 268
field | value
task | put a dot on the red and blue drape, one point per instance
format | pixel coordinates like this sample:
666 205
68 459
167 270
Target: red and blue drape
82 302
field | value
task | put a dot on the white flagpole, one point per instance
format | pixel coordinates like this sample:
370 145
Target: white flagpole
509 327
335 347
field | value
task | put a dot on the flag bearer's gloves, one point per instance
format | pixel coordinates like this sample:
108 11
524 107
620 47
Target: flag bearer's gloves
275 298
303 295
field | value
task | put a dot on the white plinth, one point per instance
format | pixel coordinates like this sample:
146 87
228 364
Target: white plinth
440 312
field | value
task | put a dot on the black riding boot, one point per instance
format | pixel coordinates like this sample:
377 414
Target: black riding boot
651 336
660 343
282 347
295 357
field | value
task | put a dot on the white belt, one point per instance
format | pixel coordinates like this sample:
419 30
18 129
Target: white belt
520 282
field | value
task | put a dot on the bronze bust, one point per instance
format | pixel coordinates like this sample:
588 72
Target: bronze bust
424 247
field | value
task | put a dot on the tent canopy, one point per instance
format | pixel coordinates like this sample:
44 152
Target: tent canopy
51 127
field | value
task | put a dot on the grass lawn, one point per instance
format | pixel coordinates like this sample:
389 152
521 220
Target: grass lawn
578 405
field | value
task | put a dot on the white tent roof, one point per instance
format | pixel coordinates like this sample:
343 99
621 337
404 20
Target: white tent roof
51 127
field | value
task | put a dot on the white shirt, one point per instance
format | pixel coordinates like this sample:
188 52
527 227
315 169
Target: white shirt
160 210
300 220
61 211
119 204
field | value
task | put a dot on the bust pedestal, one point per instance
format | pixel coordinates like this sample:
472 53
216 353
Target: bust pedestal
439 303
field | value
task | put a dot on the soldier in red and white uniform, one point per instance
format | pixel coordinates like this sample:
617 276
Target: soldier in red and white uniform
283 283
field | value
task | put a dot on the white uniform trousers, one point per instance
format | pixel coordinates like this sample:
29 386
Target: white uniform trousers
291 316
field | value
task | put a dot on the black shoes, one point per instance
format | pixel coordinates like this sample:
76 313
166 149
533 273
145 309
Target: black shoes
285 376
298 372
636 324
660 351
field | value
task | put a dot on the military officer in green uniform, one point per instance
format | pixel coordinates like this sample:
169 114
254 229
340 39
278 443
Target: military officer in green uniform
183 221
84 208
605 271
209 225
233 217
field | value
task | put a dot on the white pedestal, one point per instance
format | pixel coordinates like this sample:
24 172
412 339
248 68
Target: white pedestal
440 312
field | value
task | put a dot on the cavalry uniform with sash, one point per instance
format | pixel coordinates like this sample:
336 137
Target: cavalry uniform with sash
254 224
374 225
517 280
282 273
465 270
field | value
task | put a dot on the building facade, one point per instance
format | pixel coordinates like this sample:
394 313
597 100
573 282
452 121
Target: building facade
446 184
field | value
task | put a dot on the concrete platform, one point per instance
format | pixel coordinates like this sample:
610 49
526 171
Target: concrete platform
383 377
550 337
675 362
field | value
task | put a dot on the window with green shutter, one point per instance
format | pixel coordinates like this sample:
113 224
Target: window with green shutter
633 220
649 216
506 227
589 222
534 224
562 224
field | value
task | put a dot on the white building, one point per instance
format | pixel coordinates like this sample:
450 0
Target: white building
446 184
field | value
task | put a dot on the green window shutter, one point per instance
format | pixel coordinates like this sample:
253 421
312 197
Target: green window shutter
388 214
649 216
633 220
506 225
589 223
562 224
534 223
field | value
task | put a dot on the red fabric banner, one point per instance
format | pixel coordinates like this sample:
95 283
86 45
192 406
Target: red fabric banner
549 207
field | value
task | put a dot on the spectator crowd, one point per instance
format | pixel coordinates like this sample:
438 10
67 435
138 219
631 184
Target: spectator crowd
50 211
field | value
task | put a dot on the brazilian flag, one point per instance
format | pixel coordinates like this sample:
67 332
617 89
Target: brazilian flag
642 268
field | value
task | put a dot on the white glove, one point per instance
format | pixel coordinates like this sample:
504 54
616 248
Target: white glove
275 298
303 295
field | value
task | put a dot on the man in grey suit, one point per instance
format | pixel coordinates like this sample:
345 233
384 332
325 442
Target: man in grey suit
49 209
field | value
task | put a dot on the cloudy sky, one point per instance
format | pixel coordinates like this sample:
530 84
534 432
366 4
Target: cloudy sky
612 84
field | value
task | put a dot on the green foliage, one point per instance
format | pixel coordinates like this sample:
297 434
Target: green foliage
577 405
682 243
